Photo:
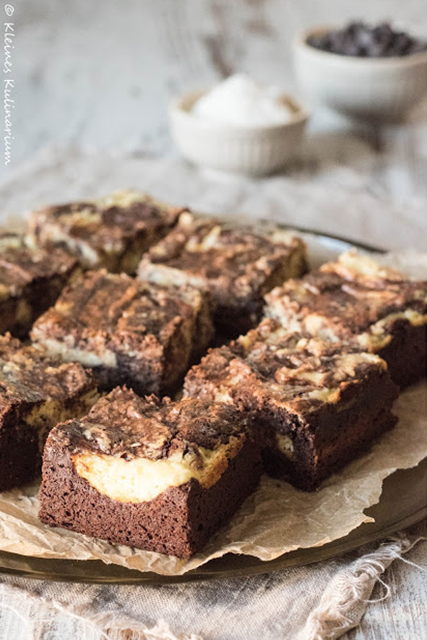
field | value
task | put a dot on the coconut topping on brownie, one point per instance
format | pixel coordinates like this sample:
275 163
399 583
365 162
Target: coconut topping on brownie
236 264
112 231
352 297
21 264
134 332
127 426
270 363
28 376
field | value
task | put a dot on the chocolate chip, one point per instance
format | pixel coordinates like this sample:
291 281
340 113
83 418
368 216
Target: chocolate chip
361 40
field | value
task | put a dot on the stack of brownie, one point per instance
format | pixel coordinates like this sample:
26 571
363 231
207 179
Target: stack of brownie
298 393
69 285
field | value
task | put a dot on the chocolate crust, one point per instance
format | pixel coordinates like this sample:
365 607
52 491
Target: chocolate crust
28 376
289 369
178 522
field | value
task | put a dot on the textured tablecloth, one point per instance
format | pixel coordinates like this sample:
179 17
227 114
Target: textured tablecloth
312 602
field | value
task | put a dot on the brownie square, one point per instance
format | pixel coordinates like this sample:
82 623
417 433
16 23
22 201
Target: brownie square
316 405
129 332
357 301
35 394
30 281
152 474
237 265
111 232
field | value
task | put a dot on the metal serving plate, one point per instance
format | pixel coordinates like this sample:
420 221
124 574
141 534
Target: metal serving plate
390 515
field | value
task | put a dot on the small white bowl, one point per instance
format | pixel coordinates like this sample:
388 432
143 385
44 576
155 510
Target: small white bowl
245 150
374 89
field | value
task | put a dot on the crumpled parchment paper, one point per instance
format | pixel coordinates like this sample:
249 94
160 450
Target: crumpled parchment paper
276 519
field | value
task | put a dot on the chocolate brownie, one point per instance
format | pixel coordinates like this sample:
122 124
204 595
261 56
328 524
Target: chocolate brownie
316 405
152 474
237 265
35 394
111 232
129 332
30 281
357 301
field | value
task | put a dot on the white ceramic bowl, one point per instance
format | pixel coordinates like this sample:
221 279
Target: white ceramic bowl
245 150
375 89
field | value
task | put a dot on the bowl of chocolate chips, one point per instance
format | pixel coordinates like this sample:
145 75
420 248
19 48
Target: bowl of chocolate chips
376 73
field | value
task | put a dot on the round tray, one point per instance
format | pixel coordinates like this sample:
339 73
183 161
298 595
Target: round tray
390 515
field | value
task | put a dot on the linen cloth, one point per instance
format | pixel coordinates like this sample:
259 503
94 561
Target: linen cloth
307 603
314 602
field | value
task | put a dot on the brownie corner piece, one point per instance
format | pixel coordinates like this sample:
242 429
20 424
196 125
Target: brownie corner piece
155 475
317 405
128 331
355 300
237 265
112 232
35 394
31 280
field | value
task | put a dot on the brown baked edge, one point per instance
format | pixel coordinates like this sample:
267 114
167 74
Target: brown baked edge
158 370
238 316
39 294
327 439
406 353
128 258
21 445
179 522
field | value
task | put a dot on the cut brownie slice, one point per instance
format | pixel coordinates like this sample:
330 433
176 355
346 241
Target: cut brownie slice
237 265
35 394
357 301
316 405
111 232
129 332
30 281
152 474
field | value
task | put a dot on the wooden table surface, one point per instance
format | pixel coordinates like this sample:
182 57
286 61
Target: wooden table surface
99 74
